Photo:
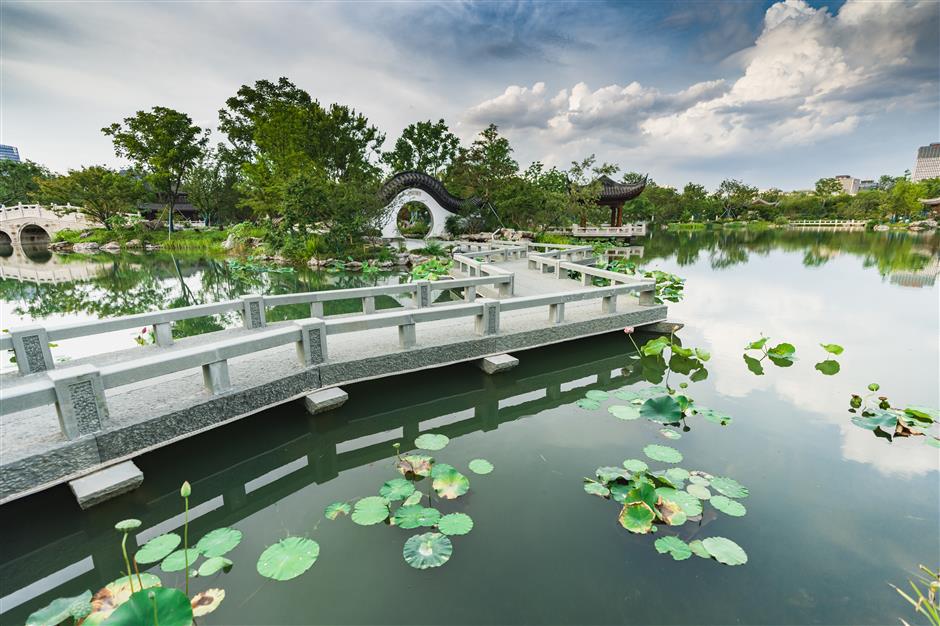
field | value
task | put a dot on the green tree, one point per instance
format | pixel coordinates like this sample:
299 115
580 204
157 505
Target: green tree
735 196
102 194
585 190
536 200
19 180
210 185
423 147
828 187
483 167
162 142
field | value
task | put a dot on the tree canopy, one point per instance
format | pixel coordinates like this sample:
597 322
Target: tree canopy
427 147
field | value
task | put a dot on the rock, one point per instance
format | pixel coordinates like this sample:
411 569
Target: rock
881 227
229 242
85 248
85 233
353 266
313 263
402 259
386 265
153 246
61 246
133 243
111 246
254 242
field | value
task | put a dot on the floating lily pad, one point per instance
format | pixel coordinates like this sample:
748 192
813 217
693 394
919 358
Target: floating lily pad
450 485
427 550
336 509
619 492
414 498
670 512
480 466
699 491
609 474
728 506
698 549
172 607
116 593
677 474
370 510
596 489
728 487
725 551
219 541
288 558
177 561
635 465
689 504
829 367
698 479
455 524
713 416
597 395
670 434
664 454
637 517
409 517
754 365
214 564
56 611
626 395
207 601
588 404
397 489
832 348
679 549
415 465
663 409
429 441
157 548
924 412
439 468
624 411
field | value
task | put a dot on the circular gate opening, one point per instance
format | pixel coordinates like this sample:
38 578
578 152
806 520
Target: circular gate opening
414 220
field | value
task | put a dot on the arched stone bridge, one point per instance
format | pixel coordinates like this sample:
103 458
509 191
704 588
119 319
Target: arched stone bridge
35 224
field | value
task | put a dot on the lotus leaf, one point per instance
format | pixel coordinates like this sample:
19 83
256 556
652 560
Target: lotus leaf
414 498
713 416
455 524
699 491
832 348
177 561
656 346
80 609
116 593
336 509
409 517
828 367
679 549
643 492
427 550
172 609
597 395
670 512
663 409
702 354
637 517
588 404
698 549
289 558
219 541
626 395
127 525
596 489
480 466
207 601
690 505
725 551
213 564
157 548
415 465
728 487
923 412
670 434
754 365
56 611
664 454
439 468
698 479
635 465
757 345
677 474
728 506
782 351
370 510
429 441
619 491
661 480
610 474
624 411
397 489
450 485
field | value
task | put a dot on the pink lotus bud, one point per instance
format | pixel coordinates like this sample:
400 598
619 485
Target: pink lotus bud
628 330
143 330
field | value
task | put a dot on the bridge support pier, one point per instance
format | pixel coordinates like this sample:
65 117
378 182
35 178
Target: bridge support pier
80 400
106 484
31 348
325 400
498 363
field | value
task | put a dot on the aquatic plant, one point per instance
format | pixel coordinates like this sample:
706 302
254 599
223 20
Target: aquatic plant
669 287
256 265
654 501
782 355
875 413
927 604
432 269
830 366
653 365
146 336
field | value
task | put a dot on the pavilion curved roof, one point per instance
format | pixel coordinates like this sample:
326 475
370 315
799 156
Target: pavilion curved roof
614 192
432 186
930 201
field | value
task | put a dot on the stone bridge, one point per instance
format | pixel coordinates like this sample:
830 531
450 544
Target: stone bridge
26 224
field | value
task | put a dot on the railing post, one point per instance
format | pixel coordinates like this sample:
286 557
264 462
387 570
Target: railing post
609 304
368 305
316 309
80 400
253 311
31 348
470 293
311 349
556 313
648 297
560 272
163 334
586 279
215 376
407 337
424 293
488 322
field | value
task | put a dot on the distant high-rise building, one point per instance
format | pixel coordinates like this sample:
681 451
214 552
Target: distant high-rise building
9 153
849 184
928 163
867 185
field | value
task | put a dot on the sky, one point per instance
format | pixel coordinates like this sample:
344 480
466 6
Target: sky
778 94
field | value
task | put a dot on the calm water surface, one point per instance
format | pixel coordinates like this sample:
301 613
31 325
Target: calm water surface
834 513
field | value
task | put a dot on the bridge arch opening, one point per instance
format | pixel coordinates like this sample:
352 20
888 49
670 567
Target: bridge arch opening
32 234
5 239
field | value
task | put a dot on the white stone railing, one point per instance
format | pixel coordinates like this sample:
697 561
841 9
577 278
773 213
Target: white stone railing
638 230
64 212
828 223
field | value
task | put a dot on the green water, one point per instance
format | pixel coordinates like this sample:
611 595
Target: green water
834 514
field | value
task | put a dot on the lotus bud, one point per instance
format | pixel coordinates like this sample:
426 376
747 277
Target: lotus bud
874 387
856 401
884 403
185 490
628 330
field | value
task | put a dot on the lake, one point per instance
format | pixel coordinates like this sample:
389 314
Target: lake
833 516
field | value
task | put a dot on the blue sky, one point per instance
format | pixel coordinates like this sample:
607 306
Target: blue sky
775 93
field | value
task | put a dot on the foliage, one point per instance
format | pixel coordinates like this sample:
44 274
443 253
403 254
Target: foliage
928 601
669 287
875 413
432 269
101 193
426 147
20 181
210 186
782 355
288 558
